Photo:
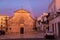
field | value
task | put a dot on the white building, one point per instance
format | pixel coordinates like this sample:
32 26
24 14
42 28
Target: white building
42 19
54 19
4 22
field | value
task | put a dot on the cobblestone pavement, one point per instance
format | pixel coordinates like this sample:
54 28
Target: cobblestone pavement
25 39
35 36
18 36
29 39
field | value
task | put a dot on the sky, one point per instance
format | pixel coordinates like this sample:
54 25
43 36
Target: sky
36 7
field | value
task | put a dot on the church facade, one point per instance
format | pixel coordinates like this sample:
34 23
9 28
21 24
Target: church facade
21 22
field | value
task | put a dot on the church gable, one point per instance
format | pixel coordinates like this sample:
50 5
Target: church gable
22 11
20 19
21 15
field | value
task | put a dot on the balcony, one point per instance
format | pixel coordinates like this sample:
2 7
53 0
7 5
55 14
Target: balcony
45 22
51 17
57 14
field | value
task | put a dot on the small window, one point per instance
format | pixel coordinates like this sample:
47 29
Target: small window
10 28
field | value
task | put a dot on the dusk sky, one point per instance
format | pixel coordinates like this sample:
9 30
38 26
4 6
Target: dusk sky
36 7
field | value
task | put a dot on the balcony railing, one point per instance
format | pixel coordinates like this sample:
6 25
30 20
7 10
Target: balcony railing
45 22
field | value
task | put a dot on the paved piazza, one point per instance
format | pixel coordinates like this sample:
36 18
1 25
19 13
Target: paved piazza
17 36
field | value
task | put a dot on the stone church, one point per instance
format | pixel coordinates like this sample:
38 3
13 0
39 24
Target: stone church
21 22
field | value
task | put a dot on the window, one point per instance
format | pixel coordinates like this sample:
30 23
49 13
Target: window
59 28
53 27
10 28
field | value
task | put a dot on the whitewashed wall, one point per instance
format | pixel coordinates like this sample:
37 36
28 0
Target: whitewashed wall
56 20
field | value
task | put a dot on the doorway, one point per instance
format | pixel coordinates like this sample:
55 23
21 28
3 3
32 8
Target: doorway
21 30
59 28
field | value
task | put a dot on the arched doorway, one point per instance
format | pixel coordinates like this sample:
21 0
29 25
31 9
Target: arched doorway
21 30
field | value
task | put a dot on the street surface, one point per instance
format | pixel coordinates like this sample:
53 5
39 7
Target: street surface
22 36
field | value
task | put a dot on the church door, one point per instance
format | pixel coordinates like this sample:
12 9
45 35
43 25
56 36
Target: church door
22 30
